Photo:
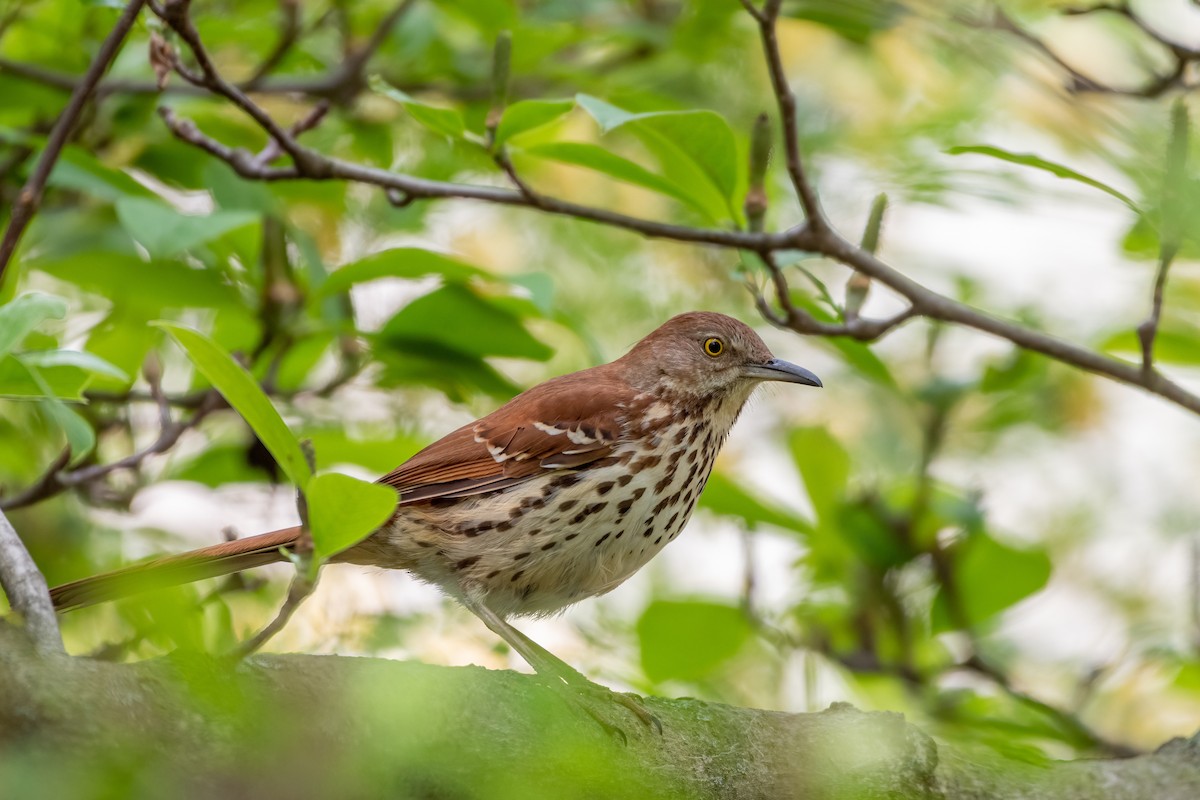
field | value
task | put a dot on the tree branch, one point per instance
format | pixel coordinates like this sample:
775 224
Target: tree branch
31 193
55 481
27 593
785 98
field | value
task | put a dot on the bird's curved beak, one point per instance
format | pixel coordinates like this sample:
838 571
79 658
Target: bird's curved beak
779 370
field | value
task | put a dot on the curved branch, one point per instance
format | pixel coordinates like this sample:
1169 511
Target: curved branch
27 593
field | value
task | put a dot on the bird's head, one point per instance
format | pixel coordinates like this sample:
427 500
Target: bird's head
702 353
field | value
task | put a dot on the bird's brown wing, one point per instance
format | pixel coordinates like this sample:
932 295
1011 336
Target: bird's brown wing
566 423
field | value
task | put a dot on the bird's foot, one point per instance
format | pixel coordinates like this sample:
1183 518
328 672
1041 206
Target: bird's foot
598 703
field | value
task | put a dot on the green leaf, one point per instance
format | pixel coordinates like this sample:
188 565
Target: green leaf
88 362
400 262
160 284
78 170
1036 162
242 392
446 121
526 115
457 318
24 314
80 436
702 137
613 165
825 466
854 20
990 577
723 496
65 382
342 511
689 640
165 232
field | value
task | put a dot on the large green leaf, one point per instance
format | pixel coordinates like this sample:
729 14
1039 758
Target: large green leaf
597 158
165 232
243 393
89 362
457 318
160 284
66 382
689 640
703 138
399 262
19 317
989 577
723 496
854 20
446 121
78 170
1039 163
527 115
825 466
343 511
80 436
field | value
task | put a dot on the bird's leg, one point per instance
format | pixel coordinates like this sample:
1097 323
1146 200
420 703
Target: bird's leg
548 665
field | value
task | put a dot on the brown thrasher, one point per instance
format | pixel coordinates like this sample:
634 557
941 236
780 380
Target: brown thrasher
561 494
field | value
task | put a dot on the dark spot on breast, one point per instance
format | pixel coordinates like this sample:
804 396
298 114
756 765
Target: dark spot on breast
565 480
527 591
516 575
606 487
550 545
674 499
624 506
624 479
658 540
694 433
618 536
649 530
504 526
595 508
567 505
681 436
601 540
570 536
519 556
466 562
493 573
671 521
662 504
691 456
662 485
645 462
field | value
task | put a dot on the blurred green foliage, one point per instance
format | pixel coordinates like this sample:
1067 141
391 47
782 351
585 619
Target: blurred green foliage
357 317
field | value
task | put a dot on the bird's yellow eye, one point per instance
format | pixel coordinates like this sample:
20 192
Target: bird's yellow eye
714 346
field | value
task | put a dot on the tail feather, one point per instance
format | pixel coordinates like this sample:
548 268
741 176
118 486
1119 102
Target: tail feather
207 562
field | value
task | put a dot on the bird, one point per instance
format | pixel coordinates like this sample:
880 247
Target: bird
559 495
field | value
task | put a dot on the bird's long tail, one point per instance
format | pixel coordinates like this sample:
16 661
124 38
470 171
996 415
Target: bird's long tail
207 562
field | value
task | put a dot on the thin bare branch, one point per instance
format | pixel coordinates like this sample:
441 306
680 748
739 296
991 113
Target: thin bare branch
30 196
57 479
785 98
27 593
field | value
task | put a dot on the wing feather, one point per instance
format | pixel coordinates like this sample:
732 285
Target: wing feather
565 423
